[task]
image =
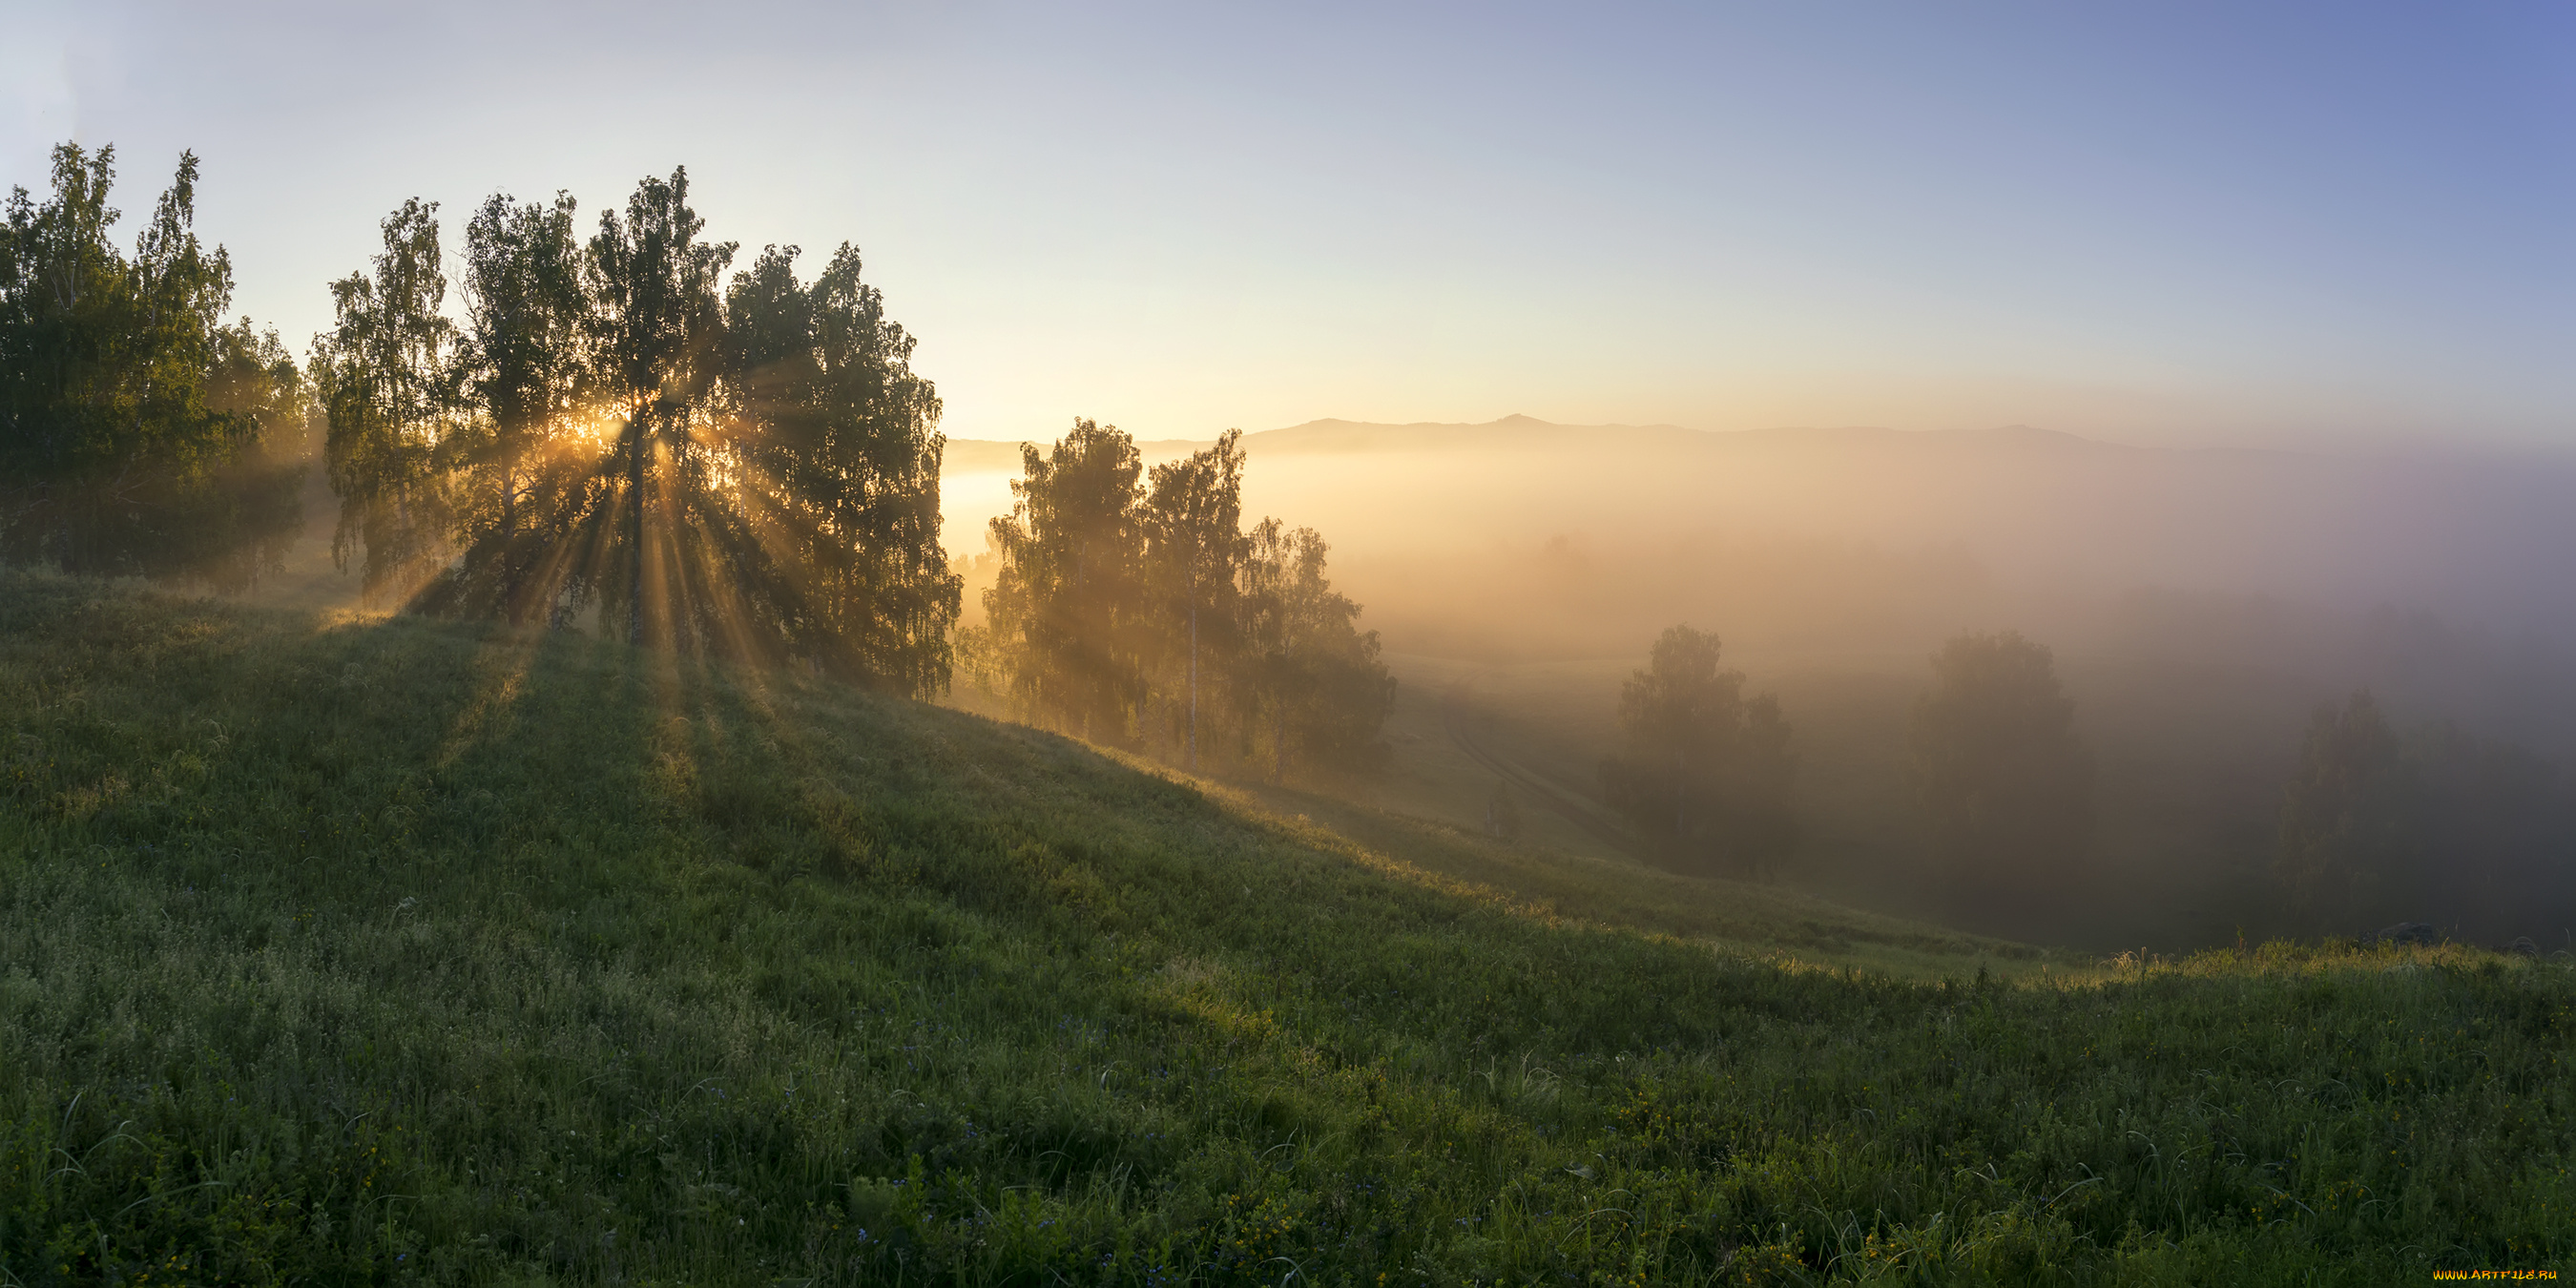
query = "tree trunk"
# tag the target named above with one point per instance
(511, 610)
(635, 528)
(1680, 786)
(1194, 687)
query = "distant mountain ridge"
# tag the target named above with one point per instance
(2472, 536)
(1528, 433)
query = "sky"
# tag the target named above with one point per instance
(2170, 223)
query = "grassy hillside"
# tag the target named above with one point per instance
(360, 951)
(2191, 759)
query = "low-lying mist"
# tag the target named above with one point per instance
(2202, 606)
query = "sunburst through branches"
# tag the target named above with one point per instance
(615, 433)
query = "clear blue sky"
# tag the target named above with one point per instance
(2158, 222)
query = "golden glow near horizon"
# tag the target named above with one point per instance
(1180, 222)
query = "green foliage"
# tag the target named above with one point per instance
(748, 471)
(1705, 771)
(657, 323)
(1998, 771)
(1117, 605)
(850, 452)
(1065, 631)
(517, 488)
(386, 378)
(1194, 553)
(407, 951)
(140, 434)
(1310, 675)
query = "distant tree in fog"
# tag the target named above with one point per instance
(2471, 834)
(2500, 821)
(1703, 770)
(2348, 817)
(2003, 781)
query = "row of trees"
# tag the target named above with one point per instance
(542, 427)
(746, 467)
(1132, 606)
(2002, 781)
(2437, 826)
(141, 433)
(609, 426)
(2375, 826)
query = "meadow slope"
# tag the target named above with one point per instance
(351, 950)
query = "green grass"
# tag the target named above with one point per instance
(361, 950)
(2191, 758)
(1780, 925)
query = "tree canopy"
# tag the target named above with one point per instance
(140, 433)
(2004, 782)
(744, 467)
(1132, 607)
(1306, 676)
(1066, 609)
(626, 430)
(1703, 771)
